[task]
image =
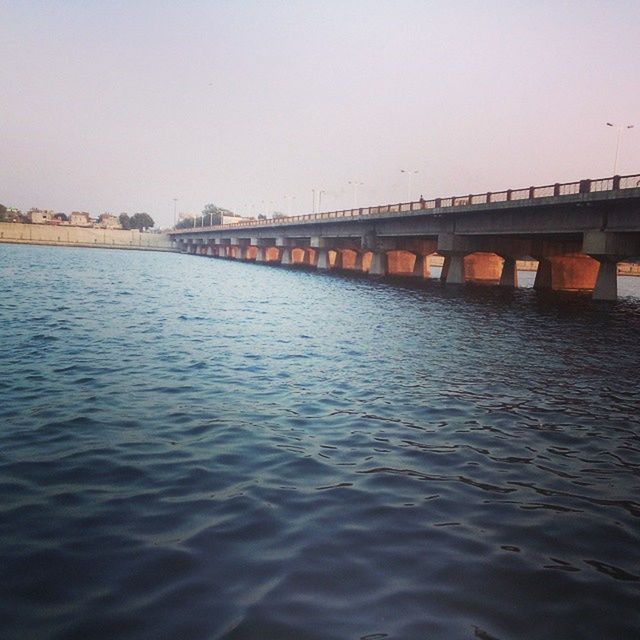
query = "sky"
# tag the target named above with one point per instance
(124, 106)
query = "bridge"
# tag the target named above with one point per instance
(577, 232)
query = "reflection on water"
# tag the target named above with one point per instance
(203, 449)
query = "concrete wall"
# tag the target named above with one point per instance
(82, 237)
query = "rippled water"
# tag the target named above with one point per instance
(193, 448)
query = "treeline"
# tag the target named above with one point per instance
(211, 215)
(138, 221)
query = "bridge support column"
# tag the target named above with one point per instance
(323, 259)
(421, 266)
(379, 264)
(285, 256)
(543, 275)
(338, 262)
(261, 254)
(453, 269)
(454, 248)
(509, 276)
(358, 266)
(606, 281)
(608, 249)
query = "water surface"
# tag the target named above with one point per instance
(195, 448)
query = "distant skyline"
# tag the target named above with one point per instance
(124, 106)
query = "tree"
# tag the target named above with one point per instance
(211, 215)
(62, 217)
(261, 216)
(141, 221)
(277, 215)
(3, 212)
(125, 220)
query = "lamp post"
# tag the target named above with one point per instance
(620, 128)
(355, 184)
(320, 194)
(175, 205)
(410, 175)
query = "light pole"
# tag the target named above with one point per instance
(355, 184)
(175, 205)
(320, 193)
(410, 175)
(620, 128)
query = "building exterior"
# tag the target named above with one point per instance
(108, 221)
(231, 219)
(80, 219)
(37, 216)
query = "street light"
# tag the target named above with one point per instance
(620, 128)
(175, 204)
(355, 184)
(320, 194)
(410, 175)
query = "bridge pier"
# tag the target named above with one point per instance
(608, 249)
(322, 262)
(285, 256)
(542, 280)
(509, 275)
(606, 287)
(379, 263)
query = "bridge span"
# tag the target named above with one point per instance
(577, 231)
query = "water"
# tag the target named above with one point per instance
(193, 448)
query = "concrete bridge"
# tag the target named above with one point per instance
(577, 232)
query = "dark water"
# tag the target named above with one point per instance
(193, 448)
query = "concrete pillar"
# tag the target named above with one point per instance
(285, 256)
(260, 255)
(421, 266)
(338, 263)
(509, 276)
(358, 264)
(543, 275)
(323, 258)
(609, 248)
(453, 269)
(244, 252)
(607, 281)
(378, 264)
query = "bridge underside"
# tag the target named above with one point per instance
(567, 262)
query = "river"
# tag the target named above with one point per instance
(196, 448)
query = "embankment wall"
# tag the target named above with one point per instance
(67, 235)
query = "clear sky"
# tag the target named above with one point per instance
(122, 106)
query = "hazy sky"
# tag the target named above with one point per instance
(122, 106)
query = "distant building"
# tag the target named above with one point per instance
(80, 219)
(108, 221)
(232, 219)
(37, 216)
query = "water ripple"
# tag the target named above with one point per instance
(197, 448)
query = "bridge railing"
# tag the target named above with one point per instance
(614, 183)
